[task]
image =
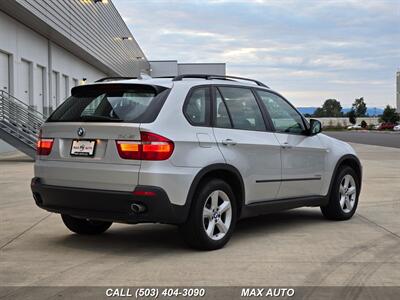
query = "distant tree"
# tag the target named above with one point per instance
(319, 112)
(352, 116)
(360, 107)
(330, 108)
(364, 124)
(390, 115)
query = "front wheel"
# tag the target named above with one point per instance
(212, 217)
(85, 226)
(343, 200)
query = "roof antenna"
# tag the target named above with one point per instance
(144, 76)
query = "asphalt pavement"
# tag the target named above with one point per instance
(385, 139)
(291, 248)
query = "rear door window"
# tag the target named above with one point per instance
(242, 108)
(222, 119)
(112, 103)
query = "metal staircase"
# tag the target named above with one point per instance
(19, 124)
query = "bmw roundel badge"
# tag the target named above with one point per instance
(81, 131)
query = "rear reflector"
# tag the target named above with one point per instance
(144, 193)
(43, 146)
(151, 147)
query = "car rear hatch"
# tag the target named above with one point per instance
(87, 134)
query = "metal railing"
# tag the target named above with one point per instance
(19, 120)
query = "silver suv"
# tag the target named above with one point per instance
(198, 151)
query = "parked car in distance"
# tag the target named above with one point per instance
(355, 126)
(386, 126)
(376, 126)
(196, 151)
(396, 128)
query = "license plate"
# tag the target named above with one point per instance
(83, 148)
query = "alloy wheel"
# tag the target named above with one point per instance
(217, 215)
(347, 193)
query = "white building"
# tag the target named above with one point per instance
(49, 46)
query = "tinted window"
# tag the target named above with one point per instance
(111, 103)
(222, 119)
(243, 108)
(284, 117)
(196, 106)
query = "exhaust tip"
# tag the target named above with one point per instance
(138, 208)
(37, 199)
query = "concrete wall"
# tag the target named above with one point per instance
(203, 68)
(160, 68)
(344, 122)
(164, 68)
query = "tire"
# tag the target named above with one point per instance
(84, 226)
(343, 200)
(204, 215)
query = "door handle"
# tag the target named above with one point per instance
(286, 146)
(228, 142)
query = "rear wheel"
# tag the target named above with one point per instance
(85, 226)
(212, 217)
(344, 195)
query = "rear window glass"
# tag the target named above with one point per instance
(111, 103)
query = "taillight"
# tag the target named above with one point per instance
(155, 147)
(128, 149)
(43, 146)
(151, 147)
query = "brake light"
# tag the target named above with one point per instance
(151, 147)
(43, 146)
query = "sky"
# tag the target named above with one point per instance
(308, 50)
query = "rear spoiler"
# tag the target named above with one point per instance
(117, 86)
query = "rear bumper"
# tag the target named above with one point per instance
(115, 206)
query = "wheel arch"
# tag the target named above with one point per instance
(347, 160)
(222, 171)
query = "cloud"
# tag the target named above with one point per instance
(346, 48)
(334, 61)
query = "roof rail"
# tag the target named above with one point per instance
(114, 78)
(223, 77)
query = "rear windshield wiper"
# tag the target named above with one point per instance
(99, 118)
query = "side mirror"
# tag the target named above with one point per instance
(315, 127)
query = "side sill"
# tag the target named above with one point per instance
(272, 206)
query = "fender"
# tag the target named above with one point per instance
(206, 170)
(351, 157)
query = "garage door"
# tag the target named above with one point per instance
(25, 88)
(40, 77)
(64, 87)
(4, 72)
(55, 90)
